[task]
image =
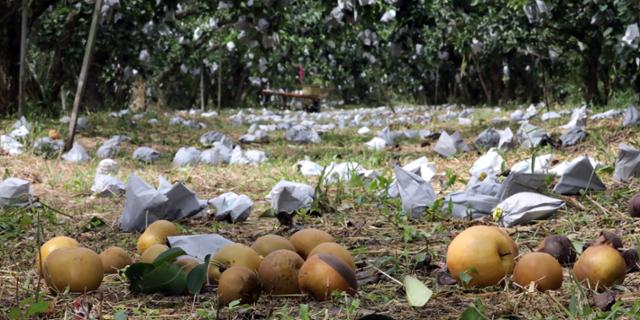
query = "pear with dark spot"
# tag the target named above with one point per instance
(560, 247)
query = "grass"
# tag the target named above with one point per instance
(375, 229)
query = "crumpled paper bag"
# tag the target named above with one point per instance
(309, 168)
(573, 136)
(145, 204)
(580, 175)
(11, 145)
(631, 117)
(627, 163)
(518, 182)
(488, 138)
(219, 154)
(253, 157)
(531, 136)
(77, 154)
(105, 183)
(490, 163)
(186, 156)
(416, 194)
(540, 165)
(46, 147)
(301, 134)
(525, 207)
(209, 138)
(15, 192)
(288, 197)
(110, 148)
(449, 145)
(376, 143)
(199, 245)
(232, 207)
(145, 154)
(421, 166)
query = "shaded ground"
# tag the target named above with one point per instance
(378, 235)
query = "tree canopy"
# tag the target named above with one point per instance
(366, 51)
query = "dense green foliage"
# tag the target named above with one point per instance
(366, 50)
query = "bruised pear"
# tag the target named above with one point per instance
(279, 272)
(78, 269)
(323, 274)
(149, 255)
(609, 238)
(114, 259)
(238, 283)
(600, 266)
(538, 267)
(270, 243)
(560, 247)
(337, 250)
(306, 239)
(52, 245)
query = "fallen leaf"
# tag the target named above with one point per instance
(417, 292)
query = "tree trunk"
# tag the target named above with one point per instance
(9, 71)
(219, 85)
(590, 74)
(23, 56)
(56, 73)
(487, 93)
(203, 91)
(86, 63)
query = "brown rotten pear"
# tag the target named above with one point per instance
(482, 252)
(538, 267)
(79, 269)
(337, 250)
(306, 239)
(114, 259)
(238, 283)
(52, 245)
(560, 247)
(600, 266)
(279, 272)
(270, 243)
(323, 274)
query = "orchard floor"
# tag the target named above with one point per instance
(380, 238)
